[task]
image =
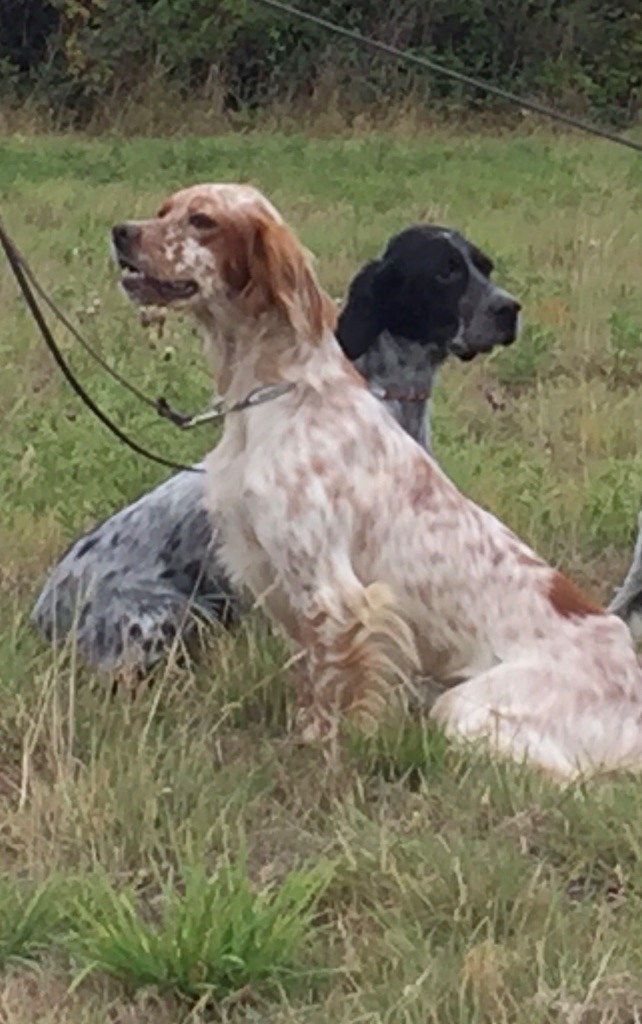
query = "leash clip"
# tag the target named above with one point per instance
(218, 411)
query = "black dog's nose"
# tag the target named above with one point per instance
(124, 234)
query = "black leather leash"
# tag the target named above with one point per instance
(29, 286)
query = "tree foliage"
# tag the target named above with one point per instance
(585, 55)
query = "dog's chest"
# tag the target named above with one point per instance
(226, 487)
(225, 466)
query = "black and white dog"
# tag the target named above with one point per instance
(146, 575)
(627, 602)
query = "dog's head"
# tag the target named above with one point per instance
(225, 253)
(431, 286)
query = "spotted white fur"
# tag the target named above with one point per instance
(534, 669)
(146, 575)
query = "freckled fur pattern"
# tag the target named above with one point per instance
(151, 571)
(535, 669)
(136, 582)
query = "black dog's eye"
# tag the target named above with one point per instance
(451, 271)
(483, 263)
(202, 222)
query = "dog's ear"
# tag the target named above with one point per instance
(269, 269)
(359, 322)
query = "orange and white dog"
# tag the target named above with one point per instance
(355, 540)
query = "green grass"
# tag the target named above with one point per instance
(462, 891)
(30, 918)
(215, 938)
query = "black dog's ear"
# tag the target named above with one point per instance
(359, 322)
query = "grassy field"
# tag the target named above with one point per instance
(179, 857)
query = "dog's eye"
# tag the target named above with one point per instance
(484, 265)
(202, 222)
(451, 271)
(481, 261)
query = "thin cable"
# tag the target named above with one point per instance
(160, 405)
(24, 284)
(457, 76)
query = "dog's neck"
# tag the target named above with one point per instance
(265, 351)
(400, 372)
(403, 372)
(246, 356)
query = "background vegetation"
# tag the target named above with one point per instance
(92, 61)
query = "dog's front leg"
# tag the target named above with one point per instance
(355, 643)
(358, 649)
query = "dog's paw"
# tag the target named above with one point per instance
(315, 726)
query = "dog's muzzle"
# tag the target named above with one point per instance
(140, 286)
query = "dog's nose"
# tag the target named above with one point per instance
(124, 234)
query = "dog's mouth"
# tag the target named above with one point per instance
(503, 331)
(466, 348)
(466, 352)
(152, 291)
